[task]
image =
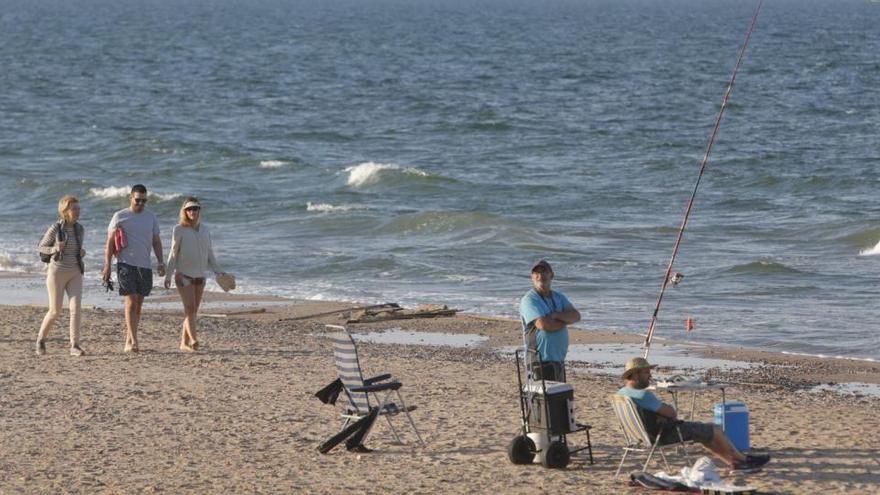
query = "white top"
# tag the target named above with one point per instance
(192, 253)
(139, 230)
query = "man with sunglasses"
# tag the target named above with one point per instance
(134, 273)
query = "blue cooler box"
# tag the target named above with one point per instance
(733, 417)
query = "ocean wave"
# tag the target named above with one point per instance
(762, 267)
(870, 251)
(828, 356)
(444, 222)
(20, 264)
(371, 172)
(489, 125)
(327, 207)
(110, 192)
(861, 238)
(113, 192)
(273, 163)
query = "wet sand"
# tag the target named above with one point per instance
(240, 416)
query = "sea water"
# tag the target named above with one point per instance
(428, 151)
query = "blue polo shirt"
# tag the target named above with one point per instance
(645, 399)
(552, 346)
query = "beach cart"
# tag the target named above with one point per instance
(548, 418)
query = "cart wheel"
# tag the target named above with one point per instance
(521, 450)
(557, 455)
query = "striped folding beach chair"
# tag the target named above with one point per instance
(636, 435)
(360, 395)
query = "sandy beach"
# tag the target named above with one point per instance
(240, 416)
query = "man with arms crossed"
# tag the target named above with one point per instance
(659, 419)
(133, 271)
(546, 314)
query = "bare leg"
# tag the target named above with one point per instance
(133, 304)
(187, 297)
(139, 304)
(129, 321)
(721, 447)
(199, 291)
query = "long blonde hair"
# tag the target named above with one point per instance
(184, 220)
(64, 205)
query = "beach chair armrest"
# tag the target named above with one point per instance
(377, 378)
(379, 387)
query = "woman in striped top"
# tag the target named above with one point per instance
(64, 241)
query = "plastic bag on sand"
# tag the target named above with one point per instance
(703, 472)
(704, 475)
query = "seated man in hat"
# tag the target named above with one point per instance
(660, 418)
(546, 315)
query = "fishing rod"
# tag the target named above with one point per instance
(703, 164)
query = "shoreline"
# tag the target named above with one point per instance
(167, 300)
(812, 370)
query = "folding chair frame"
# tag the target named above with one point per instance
(380, 390)
(637, 437)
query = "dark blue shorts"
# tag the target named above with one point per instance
(134, 280)
(690, 431)
(553, 371)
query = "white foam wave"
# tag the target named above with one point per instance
(369, 172)
(166, 196)
(327, 207)
(18, 264)
(272, 163)
(871, 251)
(112, 192)
(826, 356)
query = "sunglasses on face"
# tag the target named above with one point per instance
(193, 208)
(140, 201)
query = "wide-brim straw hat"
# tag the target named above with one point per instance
(636, 364)
(226, 281)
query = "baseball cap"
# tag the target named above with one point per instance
(542, 264)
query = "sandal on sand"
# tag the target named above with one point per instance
(41, 347)
(186, 348)
(76, 351)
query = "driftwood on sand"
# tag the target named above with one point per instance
(394, 312)
(337, 311)
(234, 313)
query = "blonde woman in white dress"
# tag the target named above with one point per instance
(191, 255)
